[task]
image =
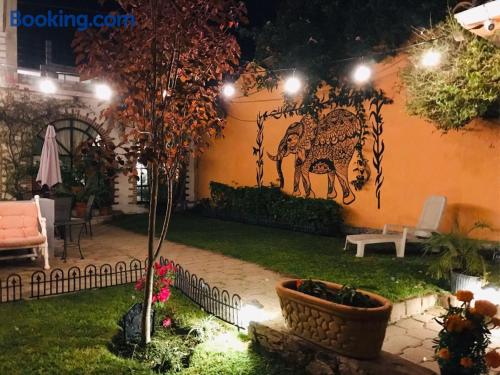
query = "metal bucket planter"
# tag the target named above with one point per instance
(459, 281)
(352, 331)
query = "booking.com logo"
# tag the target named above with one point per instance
(59, 19)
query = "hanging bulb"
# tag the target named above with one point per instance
(362, 74)
(292, 85)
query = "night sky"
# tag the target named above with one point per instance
(31, 41)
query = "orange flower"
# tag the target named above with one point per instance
(485, 308)
(464, 295)
(466, 362)
(492, 359)
(298, 283)
(455, 323)
(444, 353)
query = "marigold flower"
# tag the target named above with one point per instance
(485, 308)
(455, 323)
(444, 353)
(492, 359)
(466, 362)
(464, 295)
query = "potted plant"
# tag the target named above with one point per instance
(81, 199)
(462, 342)
(460, 259)
(348, 321)
(101, 165)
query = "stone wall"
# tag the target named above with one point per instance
(309, 358)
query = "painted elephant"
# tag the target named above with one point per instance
(324, 147)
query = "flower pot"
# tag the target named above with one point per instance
(105, 211)
(80, 208)
(352, 331)
(449, 370)
(460, 281)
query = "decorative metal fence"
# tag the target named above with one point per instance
(217, 302)
(11, 289)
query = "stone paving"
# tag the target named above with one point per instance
(411, 338)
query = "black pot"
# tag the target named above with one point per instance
(460, 281)
(445, 370)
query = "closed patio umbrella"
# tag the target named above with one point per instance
(49, 172)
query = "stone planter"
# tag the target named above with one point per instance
(351, 331)
(460, 281)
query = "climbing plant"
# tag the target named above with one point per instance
(464, 86)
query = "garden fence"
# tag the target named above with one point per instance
(213, 300)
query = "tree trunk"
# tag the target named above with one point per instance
(148, 290)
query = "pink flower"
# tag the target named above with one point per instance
(163, 295)
(139, 284)
(167, 322)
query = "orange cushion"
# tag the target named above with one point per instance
(32, 241)
(19, 224)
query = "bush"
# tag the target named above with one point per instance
(463, 87)
(270, 206)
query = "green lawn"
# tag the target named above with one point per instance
(72, 335)
(300, 254)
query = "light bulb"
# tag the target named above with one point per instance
(228, 90)
(47, 86)
(431, 58)
(362, 74)
(292, 85)
(103, 91)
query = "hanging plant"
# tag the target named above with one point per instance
(463, 86)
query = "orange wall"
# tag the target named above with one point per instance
(418, 161)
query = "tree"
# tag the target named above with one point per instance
(167, 72)
(22, 117)
(310, 35)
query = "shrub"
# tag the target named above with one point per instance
(270, 206)
(464, 86)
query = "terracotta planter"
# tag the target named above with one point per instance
(80, 208)
(105, 211)
(351, 331)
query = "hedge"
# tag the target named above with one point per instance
(271, 207)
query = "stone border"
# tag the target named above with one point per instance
(415, 306)
(272, 336)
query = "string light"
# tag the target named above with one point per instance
(362, 74)
(103, 91)
(228, 90)
(292, 85)
(47, 86)
(431, 58)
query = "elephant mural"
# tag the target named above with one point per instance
(324, 147)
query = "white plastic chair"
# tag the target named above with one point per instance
(429, 221)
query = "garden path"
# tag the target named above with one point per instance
(411, 338)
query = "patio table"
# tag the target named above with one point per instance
(67, 236)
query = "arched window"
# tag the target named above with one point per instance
(70, 134)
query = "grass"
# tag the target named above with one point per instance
(72, 335)
(302, 255)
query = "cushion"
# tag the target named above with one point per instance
(19, 224)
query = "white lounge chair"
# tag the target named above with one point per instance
(429, 221)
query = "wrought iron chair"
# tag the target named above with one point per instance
(88, 216)
(64, 223)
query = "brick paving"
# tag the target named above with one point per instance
(411, 338)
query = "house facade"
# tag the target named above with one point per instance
(80, 124)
